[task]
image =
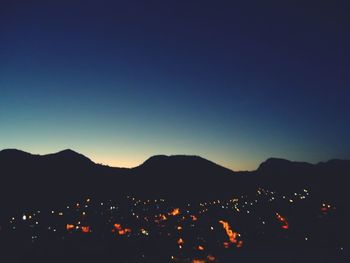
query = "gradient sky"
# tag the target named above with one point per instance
(120, 81)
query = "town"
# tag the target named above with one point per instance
(166, 231)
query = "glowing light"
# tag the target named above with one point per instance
(85, 229)
(226, 244)
(175, 212)
(211, 258)
(120, 230)
(231, 234)
(194, 218)
(144, 232)
(283, 220)
(69, 227)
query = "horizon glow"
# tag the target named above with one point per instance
(121, 82)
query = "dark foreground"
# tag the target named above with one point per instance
(263, 225)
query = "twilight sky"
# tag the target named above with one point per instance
(120, 81)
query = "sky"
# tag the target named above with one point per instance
(120, 81)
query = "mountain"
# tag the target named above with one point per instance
(180, 168)
(68, 155)
(180, 176)
(283, 167)
(274, 166)
(27, 178)
(181, 165)
(327, 179)
(68, 174)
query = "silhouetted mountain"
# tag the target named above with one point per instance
(13, 153)
(328, 179)
(66, 174)
(181, 166)
(69, 156)
(27, 178)
(181, 176)
(283, 169)
(274, 166)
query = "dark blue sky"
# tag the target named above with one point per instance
(122, 80)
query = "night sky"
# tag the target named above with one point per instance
(119, 81)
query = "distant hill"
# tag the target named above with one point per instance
(275, 166)
(182, 166)
(329, 179)
(180, 176)
(27, 178)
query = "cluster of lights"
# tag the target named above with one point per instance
(155, 216)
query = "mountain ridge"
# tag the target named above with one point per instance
(68, 174)
(71, 153)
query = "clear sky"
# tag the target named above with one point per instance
(120, 81)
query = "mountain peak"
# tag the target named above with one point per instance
(177, 160)
(274, 161)
(273, 166)
(172, 158)
(183, 166)
(14, 153)
(68, 154)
